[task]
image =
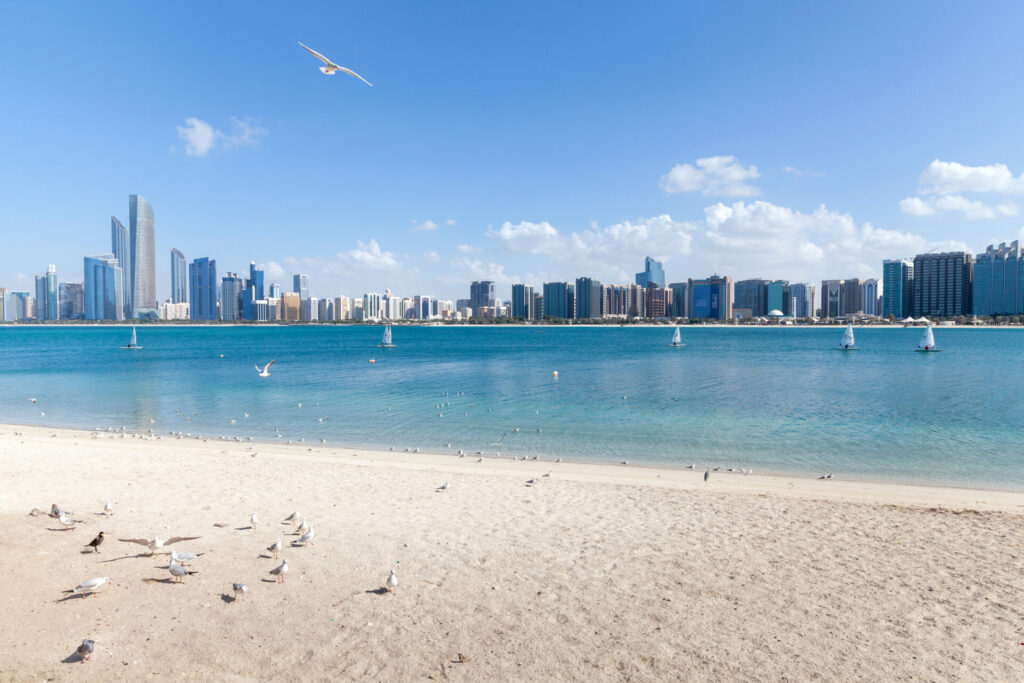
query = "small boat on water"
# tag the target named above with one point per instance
(677, 340)
(847, 344)
(385, 343)
(927, 342)
(133, 343)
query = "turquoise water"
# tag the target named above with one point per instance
(772, 399)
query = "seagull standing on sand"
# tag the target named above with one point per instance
(239, 590)
(95, 543)
(265, 370)
(392, 582)
(108, 509)
(305, 538)
(280, 570)
(89, 586)
(253, 520)
(66, 522)
(155, 544)
(85, 650)
(330, 67)
(303, 528)
(177, 571)
(443, 487)
(275, 547)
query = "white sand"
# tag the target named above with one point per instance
(598, 573)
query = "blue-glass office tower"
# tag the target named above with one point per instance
(777, 297)
(652, 273)
(897, 288)
(556, 300)
(869, 296)
(52, 294)
(752, 294)
(103, 294)
(230, 297)
(711, 298)
(40, 300)
(680, 299)
(202, 276)
(300, 285)
(999, 281)
(141, 234)
(942, 284)
(120, 246)
(253, 292)
(801, 296)
(588, 298)
(522, 301)
(179, 278)
(256, 281)
(481, 294)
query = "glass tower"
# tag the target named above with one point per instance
(120, 246)
(103, 293)
(556, 300)
(300, 285)
(179, 278)
(143, 257)
(202, 276)
(652, 273)
(522, 301)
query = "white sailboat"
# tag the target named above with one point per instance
(133, 343)
(847, 344)
(385, 343)
(677, 339)
(927, 342)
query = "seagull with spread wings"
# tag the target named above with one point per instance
(154, 544)
(265, 370)
(330, 67)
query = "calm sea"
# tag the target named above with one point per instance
(772, 399)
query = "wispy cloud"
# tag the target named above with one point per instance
(802, 172)
(200, 137)
(425, 225)
(712, 176)
(468, 249)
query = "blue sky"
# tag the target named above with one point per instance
(538, 140)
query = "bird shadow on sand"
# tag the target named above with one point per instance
(264, 556)
(269, 580)
(72, 597)
(73, 658)
(52, 529)
(86, 552)
(151, 580)
(379, 591)
(243, 528)
(128, 557)
(228, 599)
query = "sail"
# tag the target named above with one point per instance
(847, 342)
(387, 336)
(927, 340)
(133, 342)
(677, 338)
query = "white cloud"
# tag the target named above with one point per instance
(971, 209)
(275, 272)
(450, 222)
(467, 249)
(719, 175)
(793, 170)
(372, 256)
(425, 225)
(950, 177)
(528, 238)
(915, 206)
(200, 137)
(464, 270)
(431, 256)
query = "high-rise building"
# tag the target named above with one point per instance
(121, 247)
(179, 278)
(588, 298)
(17, 306)
(143, 257)
(40, 298)
(481, 294)
(325, 310)
(522, 301)
(711, 298)
(71, 296)
(103, 281)
(252, 294)
(869, 297)
(851, 297)
(300, 285)
(231, 297)
(556, 300)
(371, 307)
(897, 288)
(256, 280)
(309, 310)
(801, 295)
(637, 297)
(752, 294)
(680, 299)
(291, 304)
(831, 298)
(275, 291)
(202, 276)
(659, 301)
(652, 273)
(538, 306)
(342, 308)
(999, 281)
(776, 295)
(942, 284)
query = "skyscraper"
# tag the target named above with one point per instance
(371, 306)
(752, 294)
(680, 299)
(831, 298)
(202, 276)
(652, 273)
(40, 298)
(711, 298)
(999, 281)
(942, 284)
(802, 300)
(869, 297)
(143, 257)
(179, 281)
(275, 291)
(897, 288)
(103, 282)
(47, 295)
(776, 295)
(481, 294)
(300, 285)
(556, 300)
(121, 247)
(72, 300)
(851, 297)
(522, 301)
(291, 303)
(230, 297)
(588, 298)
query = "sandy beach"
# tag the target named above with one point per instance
(598, 572)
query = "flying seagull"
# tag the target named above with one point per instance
(330, 67)
(265, 370)
(89, 586)
(155, 544)
(95, 543)
(85, 650)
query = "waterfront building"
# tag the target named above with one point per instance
(371, 307)
(897, 288)
(3, 294)
(141, 233)
(658, 301)
(342, 308)
(120, 246)
(752, 294)
(202, 276)
(802, 300)
(522, 301)
(300, 285)
(538, 306)
(998, 287)
(588, 298)
(777, 294)
(17, 306)
(357, 309)
(103, 282)
(179, 278)
(71, 296)
(231, 297)
(325, 310)
(256, 280)
(290, 303)
(309, 310)
(274, 291)
(942, 284)
(556, 300)
(742, 313)
(637, 301)
(173, 311)
(39, 300)
(869, 297)
(426, 308)
(831, 298)
(851, 297)
(710, 298)
(481, 293)
(652, 273)
(680, 299)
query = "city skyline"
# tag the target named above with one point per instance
(653, 151)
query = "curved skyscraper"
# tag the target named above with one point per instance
(143, 257)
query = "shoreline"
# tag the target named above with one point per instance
(853, 490)
(443, 325)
